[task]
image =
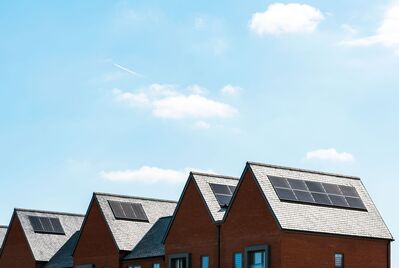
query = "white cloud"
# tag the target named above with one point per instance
(165, 101)
(202, 124)
(387, 34)
(330, 154)
(230, 90)
(286, 18)
(196, 89)
(147, 174)
(128, 70)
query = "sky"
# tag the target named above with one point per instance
(128, 96)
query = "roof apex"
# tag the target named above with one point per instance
(135, 197)
(48, 212)
(213, 175)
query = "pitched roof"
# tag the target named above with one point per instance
(128, 233)
(3, 231)
(203, 180)
(151, 245)
(63, 258)
(311, 218)
(44, 246)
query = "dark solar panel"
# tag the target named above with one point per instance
(223, 193)
(317, 193)
(128, 211)
(47, 225)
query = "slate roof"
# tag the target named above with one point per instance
(44, 246)
(63, 258)
(3, 231)
(128, 233)
(311, 218)
(151, 245)
(203, 180)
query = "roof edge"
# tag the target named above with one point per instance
(214, 175)
(4, 226)
(49, 212)
(135, 197)
(304, 170)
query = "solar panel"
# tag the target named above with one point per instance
(128, 211)
(317, 193)
(46, 225)
(223, 193)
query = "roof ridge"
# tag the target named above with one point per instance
(214, 175)
(136, 197)
(3, 226)
(49, 212)
(304, 170)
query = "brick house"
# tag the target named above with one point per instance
(114, 225)
(33, 237)
(278, 217)
(3, 231)
(193, 238)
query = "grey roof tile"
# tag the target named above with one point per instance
(3, 231)
(63, 258)
(151, 245)
(303, 217)
(203, 180)
(128, 233)
(44, 246)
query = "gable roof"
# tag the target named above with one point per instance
(319, 219)
(44, 246)
(203, 181)
(3, 231)
(127, 234)
(151, 245)
(63, 258)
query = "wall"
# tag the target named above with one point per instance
(145, 263)
(96, 244)
(193, 230)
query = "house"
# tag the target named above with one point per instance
(287, 217)
(150, 251)
(114, 225)
(34, 236)
(63, 258)
(3, 231)
(193, 238)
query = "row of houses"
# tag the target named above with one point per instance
(271, 216)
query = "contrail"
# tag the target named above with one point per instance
(128, 70)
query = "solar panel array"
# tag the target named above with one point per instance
(223, 193)
(128, 211)
(46, 225)
(317, 193)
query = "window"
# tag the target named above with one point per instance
(339, 260)
(134, 266)
(181, 260)
(205, 262)
(85, 266)
(257, 256)
(156, 265)
(238, 260)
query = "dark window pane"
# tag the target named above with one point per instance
(36, 224)
(117, 209)
(297, 184)
(55, 222)
(128, 210)
(48, 228)
(315, 186)
(321, 199)
(304, 196)
(349, 191)
(257, 259)
(355, 202)
(279, 182)
(232, 189)
(338, 200)
(286, 194)
(339, 260)
(223, 200)
(332, 189)
(139, 211)
(220, 189)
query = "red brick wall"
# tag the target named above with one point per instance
(193, 230)
(145, 263)
(96, 244)
(249, 223)
(16, 252)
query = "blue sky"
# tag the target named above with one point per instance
(126, 97)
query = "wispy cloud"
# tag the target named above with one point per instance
(166, 101)
(130, 71)
(387, 34)
(202, 124)
(150, 175)
(230, 90)
(330, 154)
(286, 18)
